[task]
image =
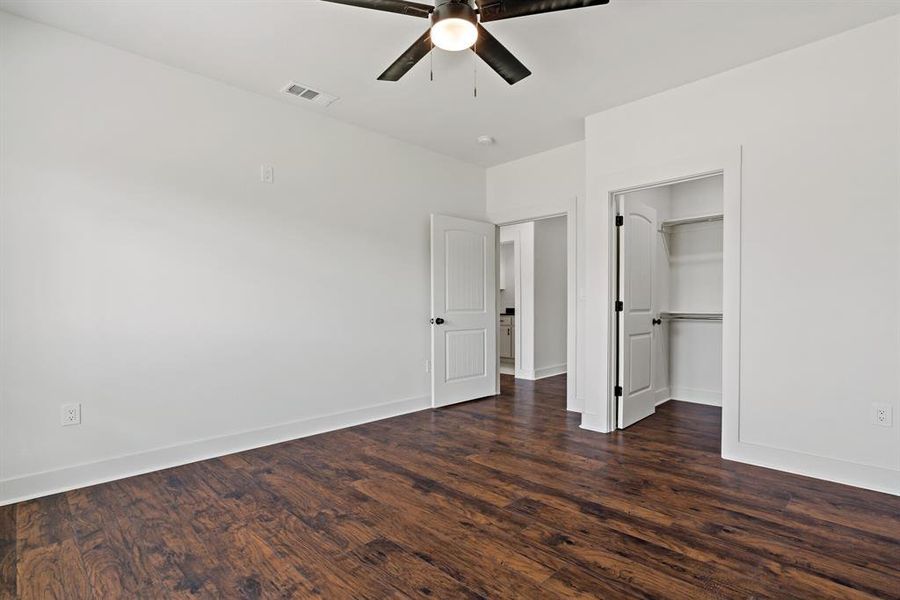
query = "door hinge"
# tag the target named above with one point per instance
(620, 220)
(618, 391)
(620, 306)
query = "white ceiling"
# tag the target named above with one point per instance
(583, 61)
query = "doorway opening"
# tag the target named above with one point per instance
(668, 298)
(532, 319)
(506, 324)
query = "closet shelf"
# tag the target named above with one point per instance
(690, 316)
(666, 226)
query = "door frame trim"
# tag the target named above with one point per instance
(600, 336)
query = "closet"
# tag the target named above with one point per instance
(670, 281)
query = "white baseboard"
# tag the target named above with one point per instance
(879, 479)
(709, 397)
(550, 371)
(35, 485)
(662, 396)
(596, 423)
(542, 372)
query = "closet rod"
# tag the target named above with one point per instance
(668, 316)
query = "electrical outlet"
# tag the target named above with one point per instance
(427, 366)
(881, 415)
(267, 174)
(71, 414)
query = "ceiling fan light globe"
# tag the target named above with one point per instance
(454, 34)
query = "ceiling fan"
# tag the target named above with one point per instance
(456, 25)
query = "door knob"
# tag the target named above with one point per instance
(438, 321)
(656, 321)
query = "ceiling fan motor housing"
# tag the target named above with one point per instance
(454, 9)
(455, 26)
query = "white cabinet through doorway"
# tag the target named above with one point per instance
(506, 336)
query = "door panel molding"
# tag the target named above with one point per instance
(635, 346)
(464, 354)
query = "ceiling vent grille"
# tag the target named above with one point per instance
(298, 90)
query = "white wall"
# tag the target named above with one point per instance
(549, 297)
(695, 361)
(820, 242)
(544, 184)
(190, 309)
(695, 267)
(536, 186)
(696, 198)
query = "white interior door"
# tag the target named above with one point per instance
(463, 310)
(636, 356)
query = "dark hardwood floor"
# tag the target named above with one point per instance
(498, 498)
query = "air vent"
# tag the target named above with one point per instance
(307, 93)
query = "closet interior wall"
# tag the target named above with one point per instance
(695, 271)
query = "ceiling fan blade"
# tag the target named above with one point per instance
(420, 49)
(494, 10)
(499, 58)
(403, 7)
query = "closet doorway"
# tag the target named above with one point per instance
(668, 296)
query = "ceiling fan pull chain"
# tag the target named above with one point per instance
(475, 67)
(431, 59)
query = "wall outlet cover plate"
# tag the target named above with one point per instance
(882, 415)
(70, 414)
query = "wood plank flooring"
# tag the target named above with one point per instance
(498, 498)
